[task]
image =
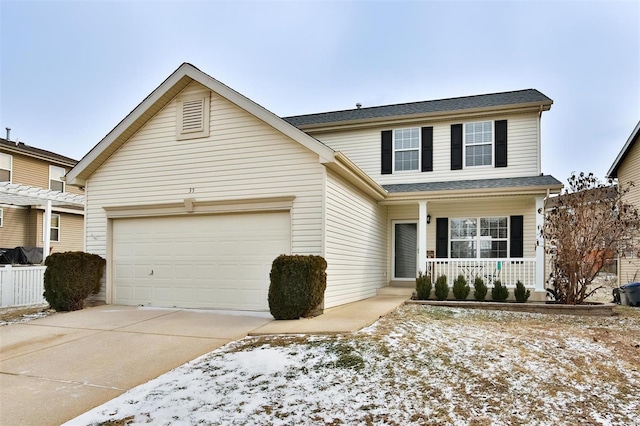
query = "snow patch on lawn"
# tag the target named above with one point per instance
(417, 365)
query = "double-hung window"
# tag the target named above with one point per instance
(5, 167)
(478, 144)
(55, 227)
(55, 178)
(479, 237)
(406, 149)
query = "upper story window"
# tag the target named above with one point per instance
(6, 161)
(55, 178)
(406, 149)
(479, 237)
(478, 144)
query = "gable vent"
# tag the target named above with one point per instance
(193, 116)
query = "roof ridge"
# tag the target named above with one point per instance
(415, 102)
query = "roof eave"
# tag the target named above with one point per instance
(49, 159)
(347, 169)
(635, 135)
(438, 115)
(446, 194)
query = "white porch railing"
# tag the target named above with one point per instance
(508, 271)
(21, 285)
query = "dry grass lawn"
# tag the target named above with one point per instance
(418, 365)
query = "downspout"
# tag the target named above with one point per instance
(539, 159)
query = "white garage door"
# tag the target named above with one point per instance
(217, 261)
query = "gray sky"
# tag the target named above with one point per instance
(70, 71)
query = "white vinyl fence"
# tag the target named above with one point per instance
(21, 285)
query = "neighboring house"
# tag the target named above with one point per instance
(28, 177)
(626, 168)
(198, 189)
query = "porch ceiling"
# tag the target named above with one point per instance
(25, 195)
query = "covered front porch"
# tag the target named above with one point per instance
(486, 231)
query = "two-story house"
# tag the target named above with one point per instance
(626, 169)
(28, 177)
(198, 189)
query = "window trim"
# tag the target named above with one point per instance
(492, 143)
(418, 149)
(59, 228)
(478, 238)
(10, 170)
(1, 217)
(64, 172)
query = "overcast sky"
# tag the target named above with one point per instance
(70, 71)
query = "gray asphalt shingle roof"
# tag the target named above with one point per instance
(517, 182)
(25, 149)
(526, 96)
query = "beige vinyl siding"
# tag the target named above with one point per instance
(629, 171)
(71, 231)
(470, 207)
(243, 158)
(35, 172)
(363, 147)
(15, 227)
(355, 243)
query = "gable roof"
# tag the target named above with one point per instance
(520, 98)
(163, 94)
(633, 138)
(31, 151)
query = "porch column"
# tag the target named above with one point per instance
(46, 231)
(422, 236)
(540, 278)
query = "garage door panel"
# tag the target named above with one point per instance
(218, 261)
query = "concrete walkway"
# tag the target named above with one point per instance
(56, 368)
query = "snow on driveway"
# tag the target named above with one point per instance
(418, 365)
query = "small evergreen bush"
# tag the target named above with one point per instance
(423, 286)
(479, 289)
(297, 286)
(70, 278)
(521, 293)
(442, 288)
(499, 293)
(460, 288)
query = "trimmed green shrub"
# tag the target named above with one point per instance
(460, 288)
(521, 293)
(70, 278)
(297, 286)
(423, 286)
(499, 293)
(479, 289)
(442, 288)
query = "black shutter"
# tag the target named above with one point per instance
(427, 149)
(442, 237)
(456, 146)
(516, 242)
(501, 143)
(387, 152)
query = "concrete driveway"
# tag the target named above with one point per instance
(56, 368)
